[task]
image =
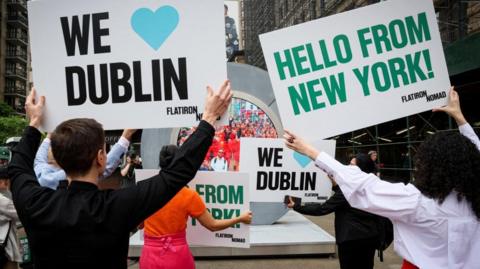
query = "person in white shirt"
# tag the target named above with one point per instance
(435, 219)
(219, 163)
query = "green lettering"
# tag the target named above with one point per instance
(364, 41)
(418, 32)
(380, 36)
(380, 70)
(362, 77)
(311, 56)
(216, 213)
(222, 194)
(326, 59)
(299, 60)
(335, 88)
(314, 94)
(398, 34)
(235, 195)
(282, 64)
(397, 68)
(299, 98)
(210, 194)
(345, 55)
(413, 66)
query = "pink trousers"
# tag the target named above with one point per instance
(166, 252)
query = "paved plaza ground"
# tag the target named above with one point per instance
(391, 260)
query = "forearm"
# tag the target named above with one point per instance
(468, 132)
(221, 224)
(312, 209)
(369, 193)
(41, 158)
(23, 157)
(158, 190)
(125, 169)
(114, 156)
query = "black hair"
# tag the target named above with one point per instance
(226, 7)
(4, 173)
(132, 155)
(167, 153)
(365, 163)
(448, 162)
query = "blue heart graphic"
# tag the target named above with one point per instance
(301, 159)
(155, 27)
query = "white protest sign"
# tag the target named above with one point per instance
(276, 171)
(226, 195)
(127, 63)
(359, 68)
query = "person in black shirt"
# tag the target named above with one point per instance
(356, 231)
(80, 226)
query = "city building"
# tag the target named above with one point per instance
(396, 141)
(14, 54)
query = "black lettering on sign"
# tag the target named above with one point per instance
(267, 155)
(76, 34)
(82, 87)
(117, 81)
(180, 79)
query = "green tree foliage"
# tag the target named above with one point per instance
(6, 110)
(11, 126)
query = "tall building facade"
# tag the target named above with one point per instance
(14, 54)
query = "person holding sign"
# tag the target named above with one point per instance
(355, 230)
(49, 174)
(81, 226)
(436, 219)
(165, 240)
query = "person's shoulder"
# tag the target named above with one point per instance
(187, 192)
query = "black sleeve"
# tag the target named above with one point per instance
(137, 203)
(335, 202)
(24, 184)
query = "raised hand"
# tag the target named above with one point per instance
(291, 203)
(217, 102)
(453, 107)
(299, 145)
(246, 217)
(128, 133)
(34, 108)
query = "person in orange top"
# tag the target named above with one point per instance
(165, 245)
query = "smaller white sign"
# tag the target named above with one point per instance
(276, 171)
(226, 196)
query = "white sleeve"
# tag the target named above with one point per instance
(7, 209)
(114, 156)
(468, 132)
(367, 192)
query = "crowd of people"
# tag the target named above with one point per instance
(71, 223)
(246, 120)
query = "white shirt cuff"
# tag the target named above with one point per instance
(466, 128)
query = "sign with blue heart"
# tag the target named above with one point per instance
(127, 63)
(276, 171)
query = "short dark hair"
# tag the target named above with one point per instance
(448, 162)
(365, 163)
(75, 144)
(4, 173)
